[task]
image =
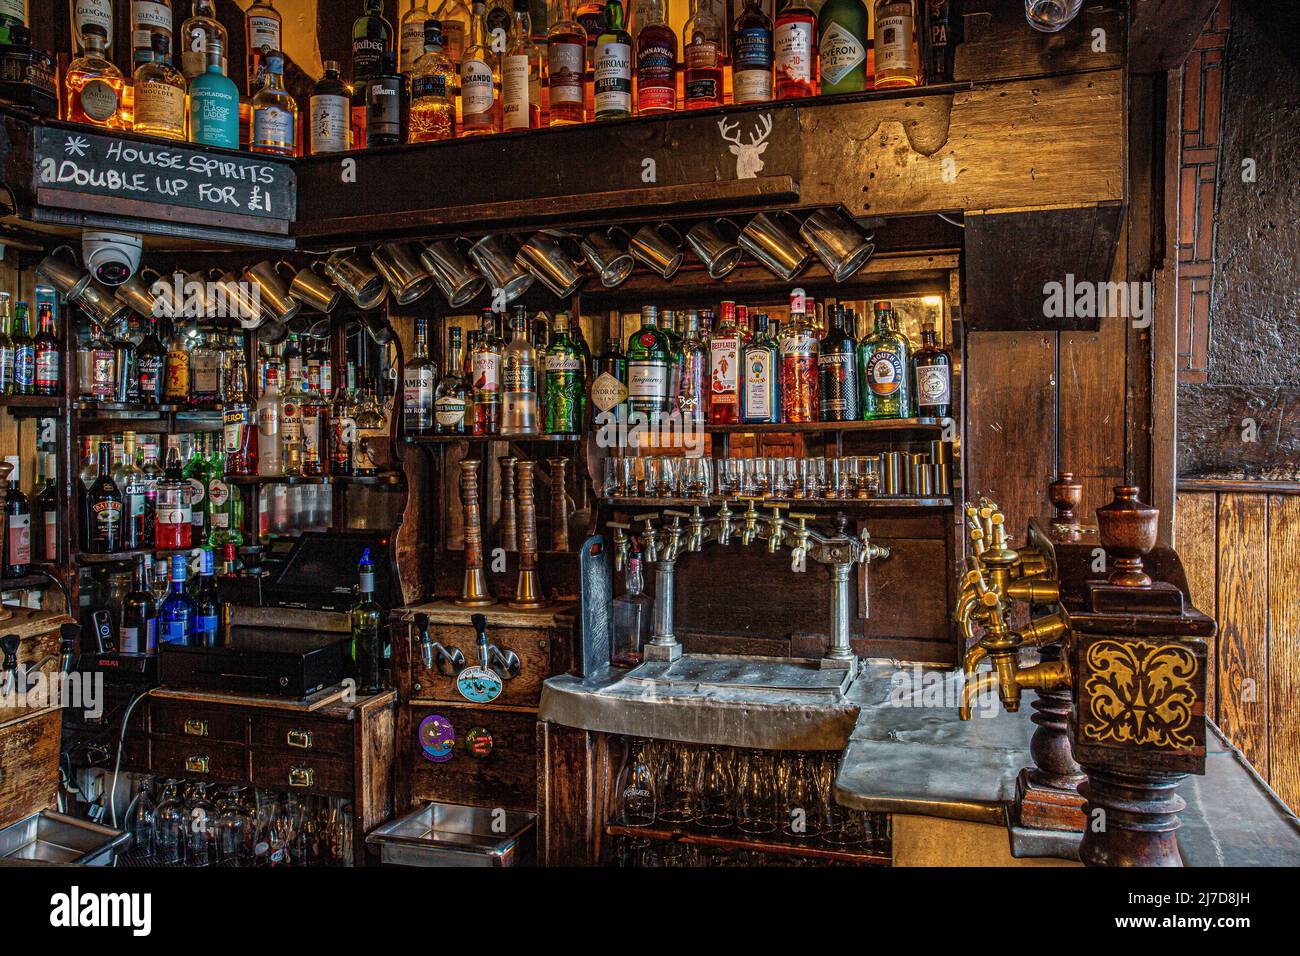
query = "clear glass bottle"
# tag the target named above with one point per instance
(196, 34)
(566, 65)
(451, 398)
(269, 462)
(275, 114)
(521, 75)
(485, 380)
(95, 85)
(142, 821)
(612, 66)
(130, 480)
(418, 382)
(205, 369)
(656, 62)
(693, 377)
(410, 35)
(315, 431)
(795, 45)
(630, 615)
(761, 379)
(725, 347)
(480, 79)
(752, 55)
(636, 788)
(519, 380)
(433, 90)
(329, 113)
(291, 403)
(455, 18)
(171, 827)
(160, 94)
(149, 19)
(263, 32)
(897, 59)
(702, 56)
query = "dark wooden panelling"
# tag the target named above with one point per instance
(570, 807)
(1243, 624)
(1284, 646)
(506, 778)
(996, 43)
(1092, 398)
(29, 765)
(1239, 431)
(1196, 540)
(1162, 32)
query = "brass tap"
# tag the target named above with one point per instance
(1047, 629)
(620, 544)
(649, 540)
(775, 529)
(868, 551)
(751, 522)
(724, 524)
(800, 551)
(696, 541)
(673, 534)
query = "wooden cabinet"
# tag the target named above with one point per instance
(506, 775)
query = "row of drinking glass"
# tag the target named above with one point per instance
(242, 826)
(856, 476)
(633, 852)
(757, 792)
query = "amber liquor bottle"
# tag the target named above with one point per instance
(932, 376)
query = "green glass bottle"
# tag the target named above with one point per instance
(649, 366)
(885, 369)
(843, 28)
(566, 383)
(367, 622)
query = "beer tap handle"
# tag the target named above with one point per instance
(775, 529)
(620, 543)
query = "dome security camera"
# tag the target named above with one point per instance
(111, 257)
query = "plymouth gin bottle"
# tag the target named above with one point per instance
(649, 364)
(566, 387)
(751, 55)
(613, 66)
(885, 364)
(418, 380)
(761, 364)
(450, 399)
(932, 376)
(837, 367)
(367, 620)
(844, 28)
(800, 397)
(724, 368)
(519, 380)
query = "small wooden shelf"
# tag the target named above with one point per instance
(448, 439)
(116, 557)
(92, 409)
(383, 478)
(884, 425)
(771, 843)
(28, 582)
(32, 401)
(739, 505)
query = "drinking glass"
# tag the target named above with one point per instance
(637, 789)
(170, 825)
(202, 815)
(627, 477)
(801, 805)
(816, 486)
(670, 476)
(232, 829)
(698, 479)
(717, 790)
(1049, 16)
(142, 824)
(610, 488)
(729, 476)
(868, 476)
(677, 783)
(651, 474)
(756, 793)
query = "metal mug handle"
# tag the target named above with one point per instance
(659, 227)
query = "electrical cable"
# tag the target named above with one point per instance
(117, 764)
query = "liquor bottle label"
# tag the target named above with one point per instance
(839, 387)
(593, 23)
(453, 40)
(894, 44)
(234, 423)
(562, 363)
(840, 52)
(751, 74)
(265, 31)
(723, 361)
(884, 372)
(311, 435)
(384, 106)
(47, 368)
(98, 100)
(476, 93)
(194, 51)
(417, 392)
(198, 493)
(564, 66)
(134, 495)
(329, 123)
(487, 372)
(96, 12)
(759, 374)
(607, 392)
(933, 385)
(205, 372)
(794, 50)
(431, 87)
(148, 18)
(613, 83)
(178, 374)
(174, 632)
(647, 385)
(107, 519)
(514, 92)
(450, 411)
(218, 493)
(411, 44)
(159, 104)
(20, 539)
(25, 365)
(518, 377)
(701, 56)
(366, 54)
(656, 64)
(51, 525)
(291, 421)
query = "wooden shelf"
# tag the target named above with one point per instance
(794, 504)
(804, 428)
(116, 557)
(87, 408)
(771, 843)
(449, 439)
(32, 401)
(383, 478)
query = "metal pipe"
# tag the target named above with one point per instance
(840, 649)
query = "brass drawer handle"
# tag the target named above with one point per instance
(196, 763)
(302, 777)
(196, 728)
(299, 738)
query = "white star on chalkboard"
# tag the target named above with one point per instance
(76, 146)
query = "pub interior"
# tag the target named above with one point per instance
(648, 433)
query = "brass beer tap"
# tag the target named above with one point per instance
(649, 540)
(799, 552)
(775, 529)
(751, 522)
(620, 544)
(673, 534)
(698, 528)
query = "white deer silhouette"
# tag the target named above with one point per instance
(748, 155)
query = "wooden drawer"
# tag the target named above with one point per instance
(306, 734)
(180, 718)
(304, 772)
(200, 759)
(533, 645)
(507, 777)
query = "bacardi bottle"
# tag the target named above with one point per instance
(799, 355)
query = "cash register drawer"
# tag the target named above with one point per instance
(200, 759)
(305, 772)
(178, 718)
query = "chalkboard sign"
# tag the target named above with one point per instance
(135, 174)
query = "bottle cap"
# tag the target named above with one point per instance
(331, 66)
(179, 567)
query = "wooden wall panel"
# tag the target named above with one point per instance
(1196, 538)
(1284, 646)
(1243, 624)
(1092, 425)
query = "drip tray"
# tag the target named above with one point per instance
(728, 672)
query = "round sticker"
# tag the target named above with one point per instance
(437, 738)
(479, 684)
(99, 100)
(478, 742)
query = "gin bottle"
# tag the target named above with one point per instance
(761, 371)
(885, 369)
(649, 364)
(565, 382)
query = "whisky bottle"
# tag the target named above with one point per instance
(485, 382)
(455, 17)
(566, 388)
(328, 106)
(800, 397)
(84, 13)
(275, 114)
(418, 379)
(613, 66)
(519, 380)
(521, 75)
(480, 80)
(649, 365)
(371, 36)
(410, 35)
(837, 368)
(450, 401)
(794, 42)
(196, 35)
(885, 369)
(761, 364)
(433, 90)
(149, 19)
(752, 55)
(214, 103)
(263, 32)
(566, 64)
(724, 368)
(656, 62)
(702, 56)
(932, 376)
(844, 31)
(386, 104)
(896, 54)
(95, 85)
(160, 94)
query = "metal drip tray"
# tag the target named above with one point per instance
(49, 837)
(728, 672)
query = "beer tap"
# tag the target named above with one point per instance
(775, 529)
(799, 553)
(673, 534)
(698, 529)
(751, 522)
(620, 544)
(432, 653)
(505, 663)
(649, 540)
(724, 524)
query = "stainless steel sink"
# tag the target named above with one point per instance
(49, 837)
(449, 834)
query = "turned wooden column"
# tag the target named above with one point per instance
(474, 589)
(528, 589)
(559, 504)
(507, 528)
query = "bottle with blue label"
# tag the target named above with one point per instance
(752, 55)
(214, 104)
(207, 619)
(177, 615)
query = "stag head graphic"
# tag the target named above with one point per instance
(749, 160)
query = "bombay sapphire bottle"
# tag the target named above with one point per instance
(176, 616)
(214, 104)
